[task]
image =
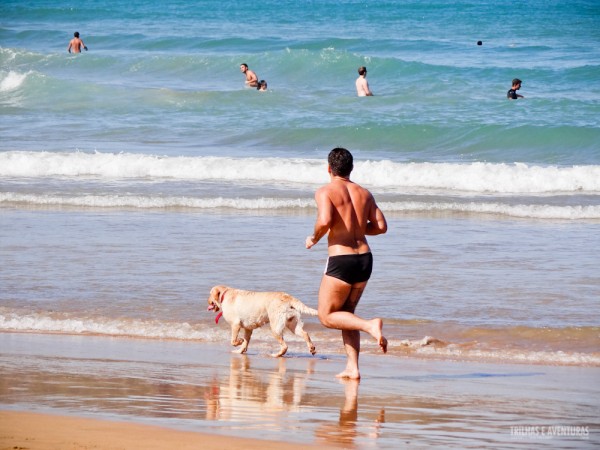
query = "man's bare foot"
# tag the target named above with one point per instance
(350, 374)
(376, 332)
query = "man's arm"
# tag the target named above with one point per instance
(324, 217)
(377, 223)
(84, 46)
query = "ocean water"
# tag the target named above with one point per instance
(137, 175)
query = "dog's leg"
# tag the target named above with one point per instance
(235, 330)
(245, 342)
(297, 327)
(283, 345)
(277, 326)
(309, 343)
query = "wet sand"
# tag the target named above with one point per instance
(190, 392)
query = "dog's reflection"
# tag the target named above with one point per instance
(255, 393)
(347, 429)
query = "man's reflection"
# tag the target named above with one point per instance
(347, 429)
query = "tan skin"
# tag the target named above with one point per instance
(347, 212)
(76, 45)
(362, 87)
(251, 78)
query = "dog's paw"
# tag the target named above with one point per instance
(312, 350)
(280, 352)
(237, 342)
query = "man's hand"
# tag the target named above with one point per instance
(310, 242)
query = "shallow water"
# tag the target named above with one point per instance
(487, 288)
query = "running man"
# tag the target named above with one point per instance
(347, 212)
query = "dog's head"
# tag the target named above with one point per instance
(215, 301)
(215, 298)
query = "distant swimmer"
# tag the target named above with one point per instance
(362, 85)
(76, 44)
(262, 85)
(251, 78)
(512, 92)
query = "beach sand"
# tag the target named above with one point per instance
(60, 391)
(32, 431)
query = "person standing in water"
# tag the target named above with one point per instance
(362, 85)
(76, 44)
(512, 92)
(349, 214)
(251, 78)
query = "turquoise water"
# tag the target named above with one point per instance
(166, 80)
(136, 175)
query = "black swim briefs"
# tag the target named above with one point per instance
(352, 269)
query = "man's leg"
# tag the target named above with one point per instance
(337, 302)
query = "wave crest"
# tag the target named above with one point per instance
(386, 175)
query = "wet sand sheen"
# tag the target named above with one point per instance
(297, 399)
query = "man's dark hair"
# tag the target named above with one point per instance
(516, 81)
(341, 162)
(362, 70)
(76, 34)
(244, 64)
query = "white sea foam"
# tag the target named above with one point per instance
(481, 177)
(510, 355)
(523, 211)
(384, 175)
(114, 327)
(265, 203)
(143, 202)
(11, 80)
(154, 329)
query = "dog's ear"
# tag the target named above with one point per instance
(215, 293)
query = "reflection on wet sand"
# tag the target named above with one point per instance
(255, 395)
(346, 431)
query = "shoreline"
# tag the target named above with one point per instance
(428, 347)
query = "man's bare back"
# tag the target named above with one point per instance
(362, 85)
(351, 209)
(76, 44)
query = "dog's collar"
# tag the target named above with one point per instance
(221, 300)
(222, 297)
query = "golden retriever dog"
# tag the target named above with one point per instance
(249, 310)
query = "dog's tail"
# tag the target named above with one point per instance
(297, 304)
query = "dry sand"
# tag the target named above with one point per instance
(33, 431)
